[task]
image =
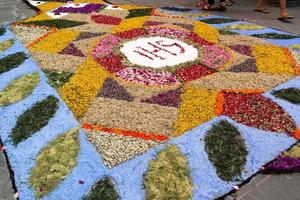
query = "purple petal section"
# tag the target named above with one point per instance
(89, 8)
(71, 49)
(87, 35)
(248, 66)
(283, 164)
(112, 89)
(169, 98)
(242, 49)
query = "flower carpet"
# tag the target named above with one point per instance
(102, 101)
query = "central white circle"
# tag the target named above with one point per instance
(158, 52)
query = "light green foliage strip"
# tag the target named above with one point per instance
(244, 27)
(5, 45)
(294, 152)
(55, 162)
(19, 89)
(168, 177)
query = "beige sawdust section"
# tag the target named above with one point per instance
(57, 62)
(240, 39)
(132, 116)
(240, 81)
(116, 149)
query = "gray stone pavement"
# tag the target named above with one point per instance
(6, 191)
(261, 187)
(12, 10)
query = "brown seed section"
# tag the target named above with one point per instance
(93, 28)
(240, 81)
(132, 116)
(240, 39)
(116, 149)
(57, 62)
(141, 92)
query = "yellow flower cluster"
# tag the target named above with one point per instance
(88, 1)
(55, 42)
(80, 91)
(206, 31)
(45, 7)
(130, 23)
(197, 107)
(272, 59)
(130, 7)
(40, 17)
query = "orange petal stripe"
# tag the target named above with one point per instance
(297, 134)
(125, 133)
(292, 60)
(254, 91)
(219, 104)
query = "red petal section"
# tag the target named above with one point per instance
(193, 72)
(257, 111)
(111, 63)
(131, 33)
(105, 19)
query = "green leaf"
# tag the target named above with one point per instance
(55, 162)
(177, 9)
(225, 32)
(2, 31)
(218, 20)
(290, 94)
(57, 79)
(139, 12)
(19, 89)
(34, 119)
(168, 177)
(275, 36)
(103, 189)
(6, 44)
(226, 150)
(12, 61)
(58, 23)
(296, 47)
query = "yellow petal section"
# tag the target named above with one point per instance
(55, 42)
(272, 59)
(131, 23)
(80, 91)
(197, 107)
(49, 6)
(206, 31)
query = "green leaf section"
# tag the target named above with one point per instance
(57, 79)
(177, 9)
(19, 89)
(218, 20)
(103, 189)
(139, 12)
(275, 36)
(34, 119)
(168, 177)
(2, 31)
(55, 162)
(12, 61)
(296, 47)
(226, 150)
(6, 44)
(58, 23)
(226, 32)
(290, 94)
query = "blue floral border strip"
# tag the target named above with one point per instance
(128, 177)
